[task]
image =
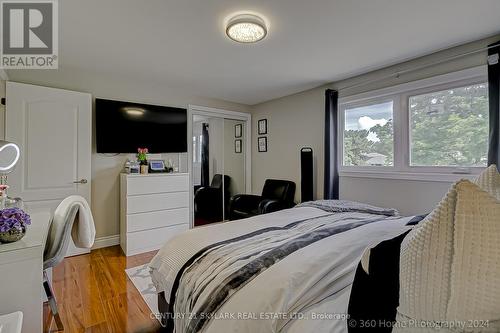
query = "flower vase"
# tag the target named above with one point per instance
(13, 224)
(144, 167)
(13, 235)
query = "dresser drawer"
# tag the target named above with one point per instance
(149, 240)
(157, 184)
(162, 201)
(157, 219)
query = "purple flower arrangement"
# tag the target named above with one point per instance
(13, 219)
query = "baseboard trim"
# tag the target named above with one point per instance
(106, 241)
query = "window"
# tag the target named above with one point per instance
(418, 130)
(368, 135)
(450, 127)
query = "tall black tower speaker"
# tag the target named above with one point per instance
(306, 174)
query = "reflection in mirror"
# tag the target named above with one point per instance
(208, 180)
(218, 166)
(234, 156)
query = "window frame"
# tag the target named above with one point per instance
(400, 95)
(357, 104)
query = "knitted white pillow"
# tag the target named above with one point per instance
(475, 269)
(489, 181)
(449, 265)
(425, 264)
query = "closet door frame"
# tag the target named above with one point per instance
(247, 136)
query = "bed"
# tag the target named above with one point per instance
(288, 271)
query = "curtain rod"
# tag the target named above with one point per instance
(427, 65)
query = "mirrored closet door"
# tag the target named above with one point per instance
(218, 165)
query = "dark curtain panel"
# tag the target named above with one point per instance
(205, 160)
(331, 187)
(494, 97)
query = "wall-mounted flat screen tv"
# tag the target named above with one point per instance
(122, 127)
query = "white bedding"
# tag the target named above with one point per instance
(313, 281)
(177, 251)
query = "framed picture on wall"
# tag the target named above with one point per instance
(238, 131)
(262, 144)
(237, 146)
(262, 126)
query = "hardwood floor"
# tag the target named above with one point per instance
(95, 295)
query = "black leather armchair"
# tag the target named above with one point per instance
(276, 195)
(208, 201)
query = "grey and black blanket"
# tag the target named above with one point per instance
(212, 276)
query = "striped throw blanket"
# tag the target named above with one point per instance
(212, 276)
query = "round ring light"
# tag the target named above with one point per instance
(9, 155)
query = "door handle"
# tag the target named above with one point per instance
(81, 181)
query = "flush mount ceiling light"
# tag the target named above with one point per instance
(246, 28)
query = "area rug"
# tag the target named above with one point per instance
(142, 281)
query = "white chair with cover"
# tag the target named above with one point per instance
(72, 218)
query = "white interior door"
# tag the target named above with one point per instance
(53, 130)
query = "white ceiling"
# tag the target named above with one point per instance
(310, 42)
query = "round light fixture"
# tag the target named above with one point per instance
(246, 28)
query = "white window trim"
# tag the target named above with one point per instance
(400, 95)
(357, 104)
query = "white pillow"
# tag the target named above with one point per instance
(475, 269)
(489, 181)
(450, 264)
(425, 263)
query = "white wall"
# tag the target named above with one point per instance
(408, 196)
(106, 169)
(293, 122)
(298, 120)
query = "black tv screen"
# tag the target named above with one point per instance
(122, 127)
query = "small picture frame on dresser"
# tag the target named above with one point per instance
(157, 165)
(262, 144)
(262, 127)
(238, 130)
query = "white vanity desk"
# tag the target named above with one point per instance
(21, 273)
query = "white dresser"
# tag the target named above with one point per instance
(21, 277)
(153, 209)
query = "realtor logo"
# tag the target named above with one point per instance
(29, 34)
